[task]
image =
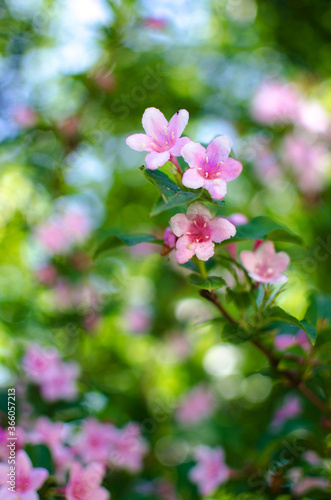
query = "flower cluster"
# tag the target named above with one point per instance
(56, 378)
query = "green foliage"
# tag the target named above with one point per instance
(114, 241)
(210, 283)
(172, 196)
(264, 228)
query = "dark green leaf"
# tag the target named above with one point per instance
(234, 334)
(210, 283)
(113, 241)
(264, 228)
(278, 314)
(171, 194)
(40, 456)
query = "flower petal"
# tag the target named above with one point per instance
(176, 149)
(248, 260)
(194, 154)
(192, 179)
(219, 149)
(230, 169)
(154, 160)
(281, 262)
(205, 250)
(178, 123)
(217, 190)
(179, 224)
(24, 464)
(221, 229)
(154, 122)
(185, 250)
(139, 142)
(196, 209)
(38, 476)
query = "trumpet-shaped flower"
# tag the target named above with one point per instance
(210, 168)
(27, 479)
(264, 265)
(84, 483)
(162, 139)
(211, 470)
(197, 232)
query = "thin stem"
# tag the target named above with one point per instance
(274, 361)
(173, 160)
(212, 297)
(202, 268)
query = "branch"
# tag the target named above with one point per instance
(212, 297)
(274, 361)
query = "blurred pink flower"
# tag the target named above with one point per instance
(211, 470)
(28, 479)
(197, 405)
(47, 274)
(210, 168)
(275, 102)
(290, 409)
(196, 232)
(264, 265)
(84, 483)
(163, 139)
(52, 434)
(286, 340)
(37, 361)
(127, 448)
(236, 220)
(302, 484)
(60, 382)
(25, 117)
(138, 319)
(309, 162)
(95, 441)
(169, 238)
(61, 232)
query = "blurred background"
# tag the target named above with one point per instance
(75, 79)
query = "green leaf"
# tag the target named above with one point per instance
(114, 241)
(234, 334)
(210, 283)
(278, 314)
(40, 456)
(264, 228)
(171, 194)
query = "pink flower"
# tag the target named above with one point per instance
(138, 319)
(309, 161)
(163, 139)
(60, 382)
(52, 434)
(95, 441)
(196, 406)
(290, 409)
(37, 361)
(84, 483)
(169, 238)
(127, 448)
(264, 265)
(236, 220)
(286, 340)
(313, 117)
(275, 102)
(28, 479)
(210, 168)
(196, 232)
(211, 470)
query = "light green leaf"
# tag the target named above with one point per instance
(210, 283)
(114, 241)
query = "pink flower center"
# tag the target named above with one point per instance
(210, 171)
(164, 141)
(80, 489)
(264, 269)
(199, 230)
(22, 482)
